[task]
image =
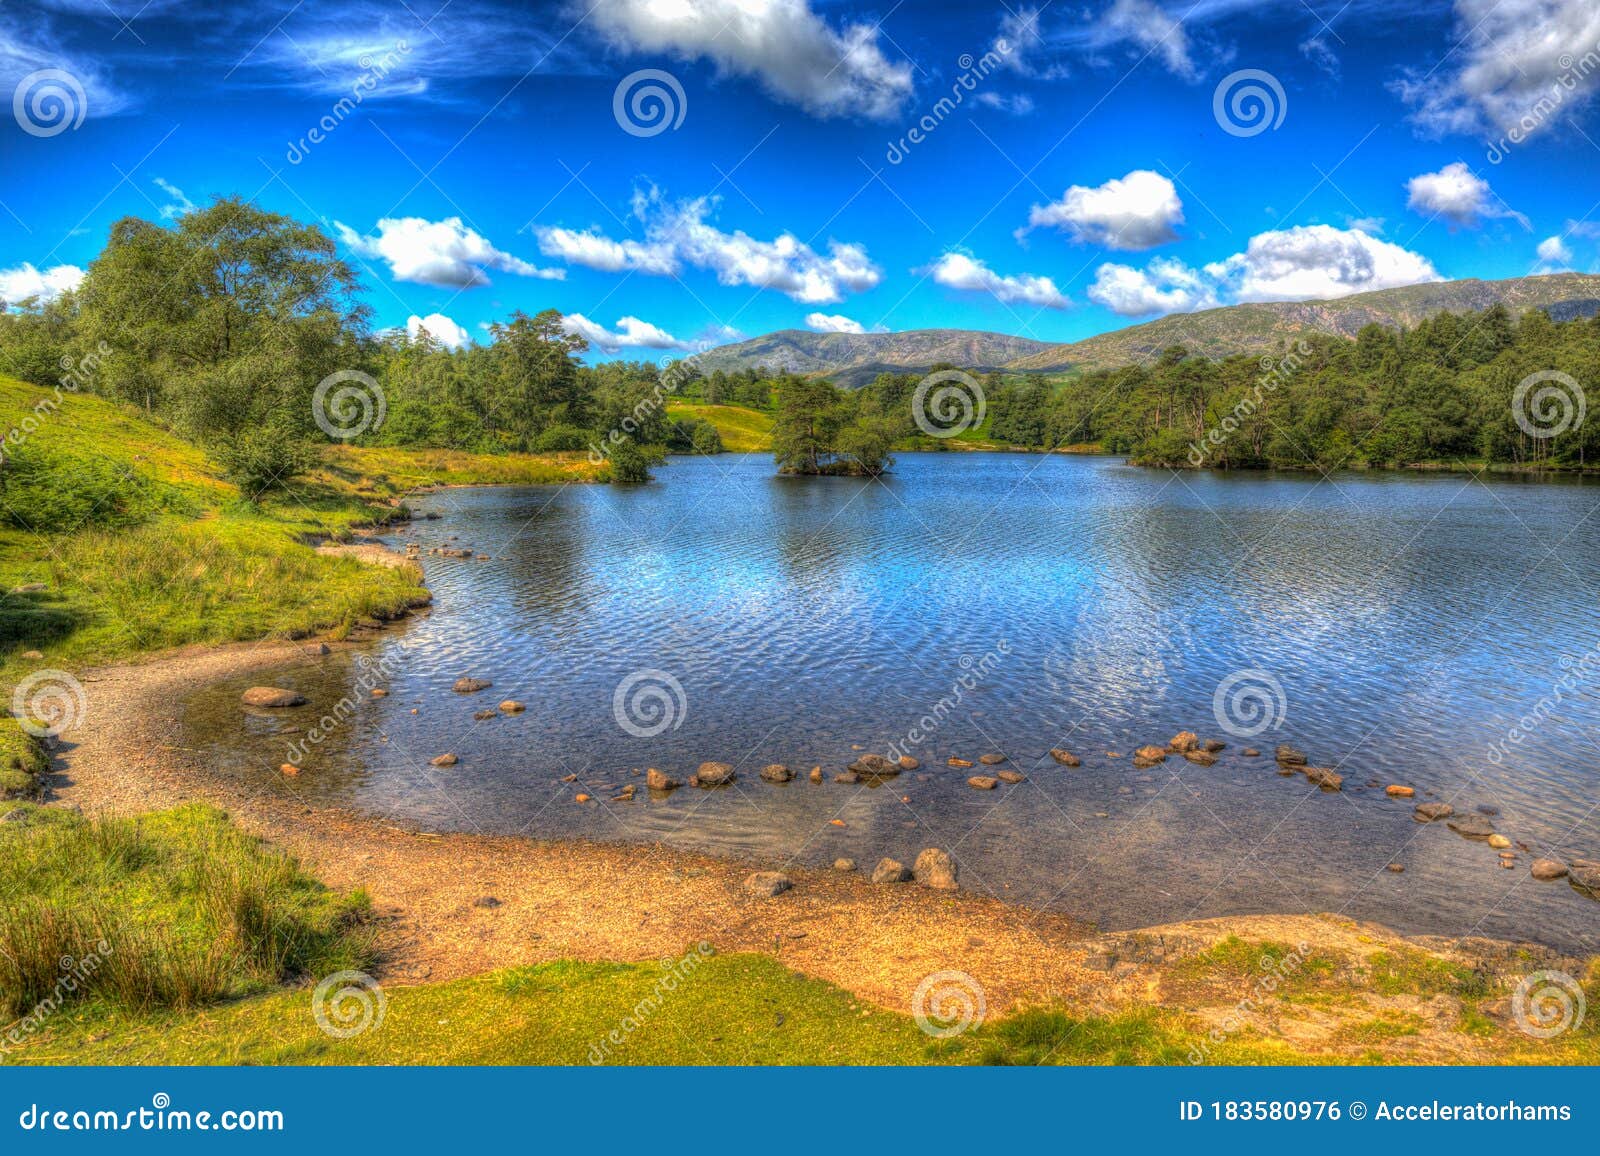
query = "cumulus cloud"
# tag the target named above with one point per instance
(794, 53)
(1138, 211)
(443, 253)
(24, 281)
(441, 328)
(1144, 24)
(1306, 263)
(1554, 255)
(682, 234)
(630, 333)
(1514, 66)
(1458, 195)
(833, 323)
(959, 271)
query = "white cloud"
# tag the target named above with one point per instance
(833, 323)
(1138, 211)
(630, 333)
(444, 253)
(795, 54)
(180, 203)
(1319, 52)
(1458, 195)
(1144, 24)
(1166, 286)
(1019, 43)
(959, 271)
(441, 328)
(24, 281)
(1554, 255)
(31, 46)
(1513, 65)
(1306, 263)
(1019, 104)
(681, 234)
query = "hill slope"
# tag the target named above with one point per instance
(853, 359)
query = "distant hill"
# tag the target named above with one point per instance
(852, 359)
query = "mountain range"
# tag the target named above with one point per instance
(853, 359)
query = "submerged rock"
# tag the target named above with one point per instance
(1152, 754)
(876, 766)
(1473, 826)
(991, 760)
(1011, 776)
(954, 761)
(1184, 741)
(934, 868)
(1325, 777)
(713, 774)
(273, 696)
(471, 685)
(1199, 757)
(1251, 753)
(890, 871)
(1066, 758)
(1585, 876)
(659, 780)
(768, 883)
(1547, 869)
(1212, 746)
(1290, 756)
(907, 763)
(776, 773)
(445, 760)
(983, 782)
(1432, 812)
(512, 706)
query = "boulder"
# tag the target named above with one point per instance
(1499, 842)
(444, 760)
(471, 685)
(876, 766)
(1432, 812)
(1289, 756)
(713, 774)
(767, 883)
(983, 782)
(274, 696)
(1011, 776)
(1548, 869)
(1472, 825)
(934, 868)
(907, 763)
(991, 760)
(1184, 741)
(660, 780)
(776, 773)
(1325, 777)
(890, 871)
(1585, 876)
(1066, 758)
(844, 864)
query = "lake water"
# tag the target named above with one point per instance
(1393, 626)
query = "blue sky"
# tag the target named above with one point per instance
(1094, 172)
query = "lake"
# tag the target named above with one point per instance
(1394, 626)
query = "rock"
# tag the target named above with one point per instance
(1011, 776)
(1065, 758)
(767, 883)
(1212, 746)
(1184, 741)
(1290, 756)
(1547, 869)
(847, 777)
(816, 775)
(271, 696)
(1200, 757)
(1396, 791)
(983, 782)
(1151, 754)
(1432, 812)
(488, 901)
(1499, 842)
(512, 706)
(471, 685)
(1585, 876)
(890, 871)
(289, 769)
(1487, 810)
(1251, 753)
(1397, 868)
(379, 692)
(991, 760)
(660, 780)
(934, 868)
(876, 766)
(953, 761)
(844, 864)
(1473, 826)
(30, 656)
(714, 774)
(445, 760)
(481, 715)
(1325, 777)
(1141, 764)
(776, 773)
(626, 794)
(580, 798)
(907, 763)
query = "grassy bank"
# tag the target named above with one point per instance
(743, 430)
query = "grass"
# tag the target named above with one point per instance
(743, 431)
(22, 761)
(384, 471)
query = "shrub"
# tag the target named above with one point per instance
(629, 463)
(49, 490)
(562, 439)
(262, 458)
